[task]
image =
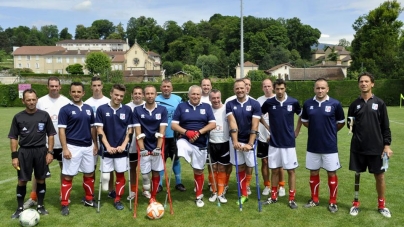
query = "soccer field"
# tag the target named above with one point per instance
(187, 214)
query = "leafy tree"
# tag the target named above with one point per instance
(75, 69)
(64, 34)
(50, 35)
(119, 33)
(103, 28)
(301, 37)
(194, 72)
(208, 64)
(34, 37)
(257, 75)
(190, 28)
(3, 55)
(98, 62)
(81, 32)
(168, 66)
(259, 46)
(172, 31)
(177, 66)
(333, 56)
(345, 43)
(5, 41)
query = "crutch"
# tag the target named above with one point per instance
(128, 163)
(211, 170)
(102, 149)
(238, 182)
(167, 180)
(257, 182)
(137, 180)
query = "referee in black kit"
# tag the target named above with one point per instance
(29, 129)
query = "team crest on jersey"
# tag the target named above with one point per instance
(358, 107)
(88, 112)
(274, 107)
(41, 126)
(375, 106)
(107, 114)
(289, 107)
(158, 116)
(202, 111)
(327, 109)
(122, 116)
(311, 107)
(142, 116)
(248, 108)
(186, 111)
(73, 112)
(235, 108)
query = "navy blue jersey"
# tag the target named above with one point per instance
(170, 104)
(150, 122)
(323, 118)
(244, 113)
(195, 118)
(77, 120)
(115, 123)
(281, 121)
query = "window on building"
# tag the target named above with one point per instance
(60, 71)
(83, 59)
(120, 67)
(48, 59)
(59, 60)
(116, 67)
(19, 65)
(28, 65)
(67, 60)
(74, 60)
(28, 57)
(37, 65)
(37, 57)
(19, 58)
(49, 71)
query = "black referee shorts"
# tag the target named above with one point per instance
(33, 159)
(220, 153)
(58, 153)
(359, 163)
(262, 149)
(170, 148)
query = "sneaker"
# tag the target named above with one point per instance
(152, 200)
(146, 194)
(29, 203)
(243, 199)
(270, 201)
(354, 211)
(292, 204)
(199, 202)
(41, 210)
(17, 213)
(311, 203)
(213, 197)
(131, 196)
(222, 198)
(65, 210)
(180, 187)
(333, 208)
(385, 212)
(226, 188)
(248, 190)
(159, 189)
(112, 194)
(118, 205)
(266, 190)
(90, 203)
(281, 192)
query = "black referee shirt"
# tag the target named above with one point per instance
(371, 130)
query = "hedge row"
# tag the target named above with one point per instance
(344, 91)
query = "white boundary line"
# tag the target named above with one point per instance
(396, 122)
(15, 178)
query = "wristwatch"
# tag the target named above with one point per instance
(51, 152)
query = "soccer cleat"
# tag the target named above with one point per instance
(90, 203)
(292, 204)
(385, 212)
(333, 208)
(118, 205)
(213, 197)
(311, 203)
(17, 213)
(112, 194)
(270, 201)
(146, 194)
(131, 196)
(248, 190)
(222, 198)
(281, 192)
(199, 202)
(266, 190)
(354, 211)
(226, 188)
(180, 187)
(29, 203)
(243, 199)
(41, 210)
(159, 189)
(65, 210)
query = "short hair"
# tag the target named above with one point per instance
(119, 87)
(147, 86)
(53, 78)
(95, 78)
(30, 90)
(214, 91)
(206, 78)
(372, 78)
(279, 82)
(194, 86)
(321, 79)
(239, 80)
(165, 81)
(262, 82)
(76, 84)
(136, 87)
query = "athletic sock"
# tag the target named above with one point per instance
(161, 177)
(267, 183)
(248, 179)
(333, 187)
(221, 180)
(292, 194)
(211, 181)
(177, 171)
(119, 185)
(315, 187)
(381, 203)
(88, 185)
(281, 183)
(40, 191)
(21, 191)
(243, 183)
(199, 183)
(33, 196)
(133, 187)
(274, 193)
(155, 185)
(65, 192)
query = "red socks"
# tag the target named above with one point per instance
(333, 186)
(88, 185)
(199, 184)
(65, 193)
(155, 185)
(119, 185)
(315, 187)
(243, 183)
(274, 193)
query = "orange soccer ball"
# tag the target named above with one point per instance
(155, 210)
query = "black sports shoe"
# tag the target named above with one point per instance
(65, 210)
(17, 213)
(159, 189)
(180, 187)
(90, 203)
(41, 210)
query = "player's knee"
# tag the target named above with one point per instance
(105, 177)
(146, 179)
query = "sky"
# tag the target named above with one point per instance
(333, 18)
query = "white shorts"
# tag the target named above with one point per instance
(150, 162)
(329, 162)
(192, 154)
(82, 159)
(243, 157)
(120, 165)
(282, 157)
